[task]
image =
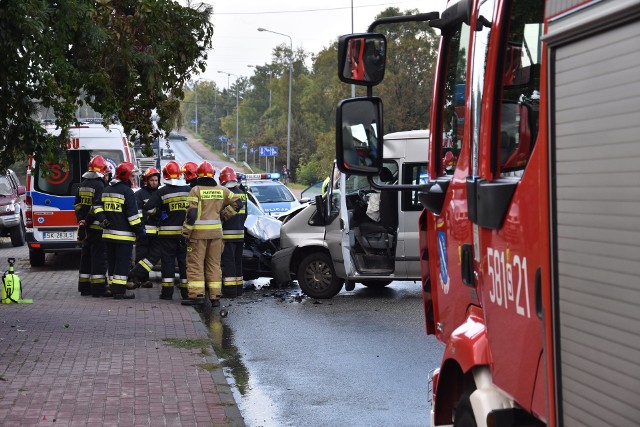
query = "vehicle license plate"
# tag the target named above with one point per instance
(59, 235)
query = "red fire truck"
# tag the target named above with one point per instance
(530, 236)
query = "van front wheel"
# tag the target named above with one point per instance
(317, 278)
(36, 257)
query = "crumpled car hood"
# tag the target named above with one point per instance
(263, 227)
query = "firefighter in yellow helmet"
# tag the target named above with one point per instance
(209, 205)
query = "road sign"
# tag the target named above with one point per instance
(245, 145)
(193, 122)
(268, 151)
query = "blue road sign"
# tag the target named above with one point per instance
(268, 151)
(245, 145)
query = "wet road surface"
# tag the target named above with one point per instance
(360, 359)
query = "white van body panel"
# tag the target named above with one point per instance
(352, 261)
(51, 224)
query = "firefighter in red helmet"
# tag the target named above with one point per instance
(150, 183)
(209, 205)
(233, 237)
(92, 276)
(121, 224)
(190, 173)
(169, 205)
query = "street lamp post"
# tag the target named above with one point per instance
(290, 79)
(195, 88)
(237, 109)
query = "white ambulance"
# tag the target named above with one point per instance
(50, 220)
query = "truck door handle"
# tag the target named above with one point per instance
(538, 293)
(466, 263)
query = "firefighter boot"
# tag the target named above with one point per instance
(126, 295)
(133, 281)
(239, 288)
(84, 287)
(98, 289)
(184, 292)
(228, 289)
(166, 292)
(148, 284)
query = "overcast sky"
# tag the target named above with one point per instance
(312, 26)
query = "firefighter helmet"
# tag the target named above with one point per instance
(190, 171)
(149, 173)
(125, 170)
(171, 170)
(206, 170)
(227, 174)
(99, 165)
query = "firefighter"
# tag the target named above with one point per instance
(233, 237)
(209, 205)
(190, 173)
(92, 279)
(169, 204)
(121, 224)
(151, 182)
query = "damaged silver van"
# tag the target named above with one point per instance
(355, 233)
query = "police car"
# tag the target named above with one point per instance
(274, 197)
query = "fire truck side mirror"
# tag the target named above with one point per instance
(362, 58)
(359, 136)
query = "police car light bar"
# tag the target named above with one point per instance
(252, 176)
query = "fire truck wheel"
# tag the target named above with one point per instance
(317, 278)
(463, 416)
(376, 284)
(36, 257)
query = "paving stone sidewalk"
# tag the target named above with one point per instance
(68, 360)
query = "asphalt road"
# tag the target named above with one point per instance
(360, 359)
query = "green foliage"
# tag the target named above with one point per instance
(263, 99)
(319, 164)
(123, 58)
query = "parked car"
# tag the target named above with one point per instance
(12, 207)
(177, 136)
(274, 197)
(168, 154)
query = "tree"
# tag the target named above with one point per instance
(408, 83)
(123, 58)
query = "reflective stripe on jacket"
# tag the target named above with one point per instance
(169, 202)
(233, 228)
(205, 204)
(121, 210)
(88, 201)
